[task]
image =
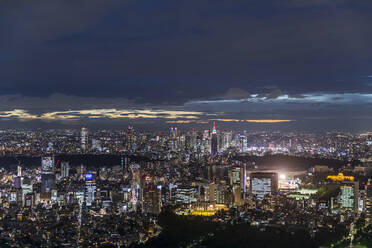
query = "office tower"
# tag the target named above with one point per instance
(214, 140)
(242, 142)
(13, 197)
(235, 176)
(349, 195)
(263, 183)
(47, 174)
(90, 189)
(226, 140)
(368, 201)
(211, 193)
(222, 194)
(84, 139)
(237, 198)
(194, 137)
(205, 135)
(185, 195)
(243, 178)
(47, 182)
(65, 169)
(217, 193)
(151, 200)
(26, 190)
(17, 182)
(173, 132)
(47, 164)
(28, 200)
(19, 171)
(104, 197)
(130, 138)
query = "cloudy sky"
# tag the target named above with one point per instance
(288, 64)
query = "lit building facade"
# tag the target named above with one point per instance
(151, 200)
(262, 184)
(48, 179)
(349, 196)
(90, 189)
(368, 202)
(84, 137)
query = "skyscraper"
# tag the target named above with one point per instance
(214, 140)
(84, 139)
(19, 171)
(226, 140)
(90, 189)
(151, 201)
(349, 195)
(47, 174)
(65, 169)
(368, 201)
(263, 183)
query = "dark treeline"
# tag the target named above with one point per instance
(89, 160)
(185, 231)
(292, 162)
(93, 161)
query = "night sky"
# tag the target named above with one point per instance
(268, 65)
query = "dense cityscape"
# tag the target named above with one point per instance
(186, 124)
(94, 188)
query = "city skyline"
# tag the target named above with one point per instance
(174, 123)
(127, 188)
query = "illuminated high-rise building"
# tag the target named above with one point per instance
(65, 169)
(217, 193)
(173, 132)
(84, 139)
(48, 180)
(234, 176)
(26, 189)
(349, 195)
(19, 171)
(214, 140)
(151, 200)
(131, 138)
(263, 183)
(226, 140)
(185, 195)
(47, 164)
(368, 201)
(17, 182)
(237, 199)
(90, 189)
(244, 178)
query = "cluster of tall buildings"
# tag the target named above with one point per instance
(192, 173)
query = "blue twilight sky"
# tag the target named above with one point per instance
(288, 64)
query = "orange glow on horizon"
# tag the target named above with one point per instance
(254, 121)
(187, 121)
(268, 121)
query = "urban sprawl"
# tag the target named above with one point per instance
(52, 195)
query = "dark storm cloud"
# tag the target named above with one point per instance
(121, 54)
(235, 93)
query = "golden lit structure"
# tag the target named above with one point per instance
(341, 177)
(208, 209)
(202, 209)
(203, 213)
